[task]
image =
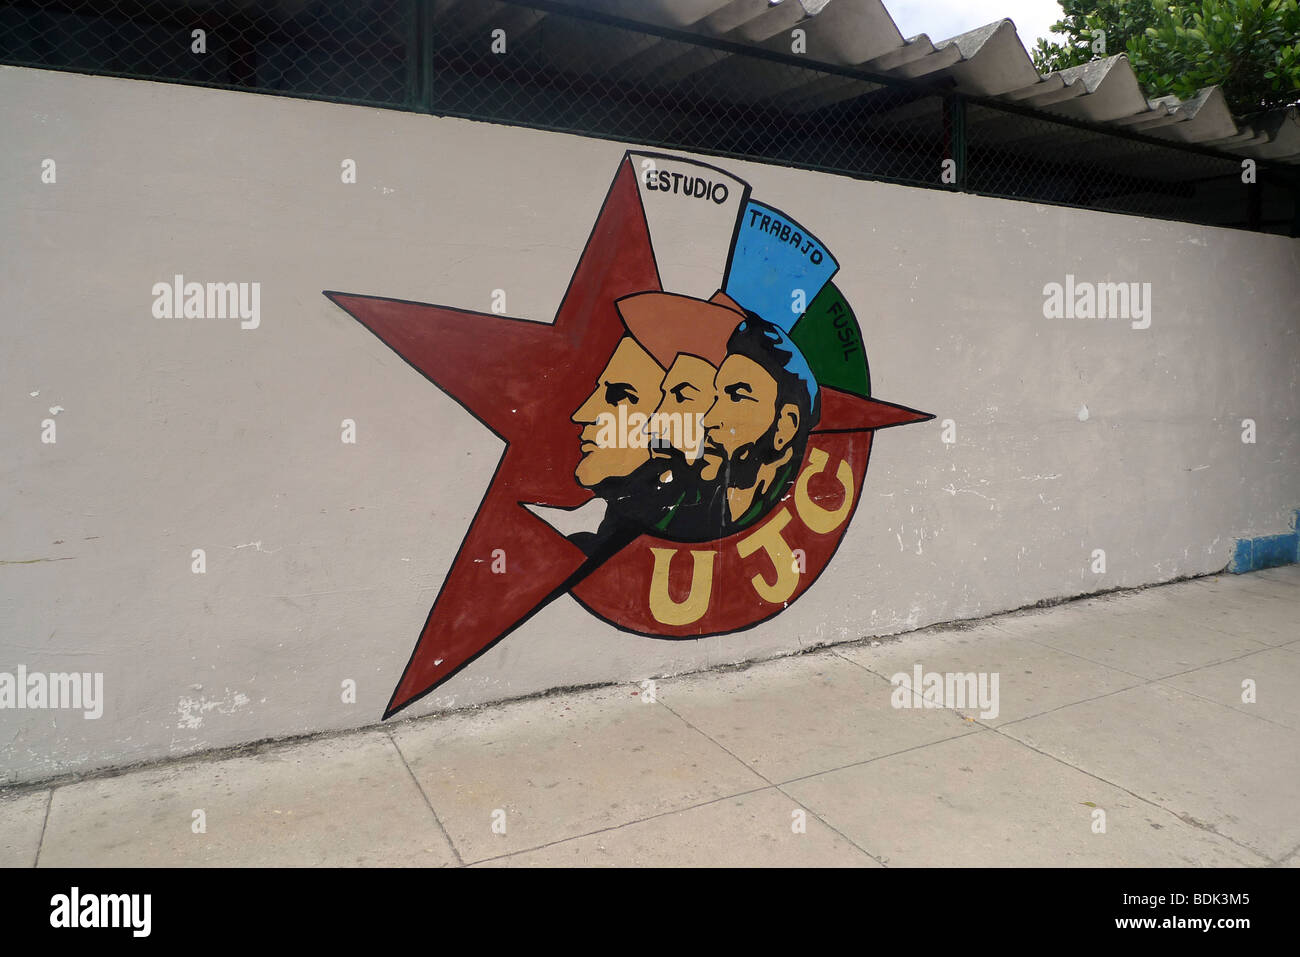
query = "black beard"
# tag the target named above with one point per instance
(740, 470)
(639, 502)
(635, 493)
(632, 505)
(642, 499)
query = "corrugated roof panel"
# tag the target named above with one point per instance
(1283, 129)
(678, 14)
(1054, 92)
(933, 60)
(734, 15)
(776, 20)
(1207, 117)
(989, 61)
(851, 32)
(993, 60)
(1111, 91)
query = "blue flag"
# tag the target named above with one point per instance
(778, 267)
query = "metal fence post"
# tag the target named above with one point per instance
(954, 129)
(419, 58)
(1295, 206)
(426, 52)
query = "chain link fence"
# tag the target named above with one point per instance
(549, 66)
(357, 51)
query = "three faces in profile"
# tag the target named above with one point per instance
(724, 402)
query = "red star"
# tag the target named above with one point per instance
(523, 383)
(523, 380)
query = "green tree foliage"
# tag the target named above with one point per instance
(1250, 48)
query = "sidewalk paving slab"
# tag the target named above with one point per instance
(1032, 677)
(796, 716)
(1211, 765)
(1217, 603)
(339, 801)
(1252, 606)
(563, 766)
(1269, 583)
(1276, 674)
(1143, 640)
(1283, 573)
(22, 817)
(984, 800)
(749, 830)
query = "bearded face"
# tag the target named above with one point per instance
(745, 430)
(668, 495)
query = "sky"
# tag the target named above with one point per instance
(947, 18)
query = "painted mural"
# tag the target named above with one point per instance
(685, 444)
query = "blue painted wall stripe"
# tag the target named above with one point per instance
(1267, 551)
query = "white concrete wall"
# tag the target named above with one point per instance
(323, 559)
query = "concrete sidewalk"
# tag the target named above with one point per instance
(1130, 705)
